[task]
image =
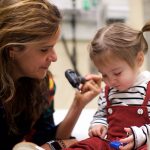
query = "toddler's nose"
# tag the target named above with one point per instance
(112, 82)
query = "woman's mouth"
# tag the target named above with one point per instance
(44, 68)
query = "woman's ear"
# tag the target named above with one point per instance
(11, 53)
(140, 58)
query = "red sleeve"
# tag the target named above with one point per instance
(92, 143)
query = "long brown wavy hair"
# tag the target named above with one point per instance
(22, 22)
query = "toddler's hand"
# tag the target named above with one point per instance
(98, 130)
(129, 140)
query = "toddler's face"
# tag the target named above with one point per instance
(118, 74)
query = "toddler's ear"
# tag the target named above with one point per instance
(140, 58)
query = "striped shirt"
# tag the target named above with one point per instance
(134, 96)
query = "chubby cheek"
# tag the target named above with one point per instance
(127, 81)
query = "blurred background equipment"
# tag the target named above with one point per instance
(81, 19)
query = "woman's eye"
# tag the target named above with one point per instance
(44, 49)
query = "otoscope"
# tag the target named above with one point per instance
(74, 79)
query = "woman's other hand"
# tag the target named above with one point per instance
(90, 89)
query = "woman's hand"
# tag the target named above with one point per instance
(90, 89)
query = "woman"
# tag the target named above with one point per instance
(29, 30)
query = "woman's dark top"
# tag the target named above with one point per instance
(43, 130)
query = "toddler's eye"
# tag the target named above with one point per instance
(118, 73)
(104, 76)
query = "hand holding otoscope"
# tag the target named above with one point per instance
(75, 79)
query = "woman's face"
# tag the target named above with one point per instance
(35, 60)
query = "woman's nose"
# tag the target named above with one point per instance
(52, 56)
